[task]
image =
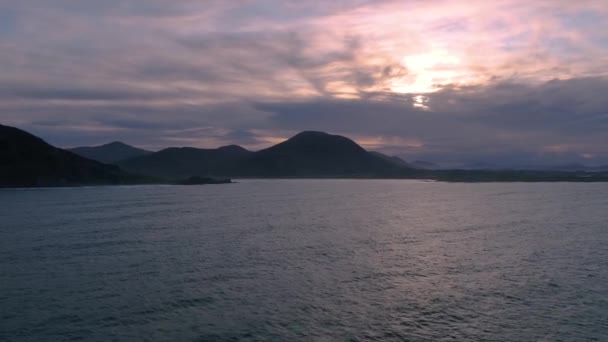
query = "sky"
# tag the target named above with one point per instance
(505, 81)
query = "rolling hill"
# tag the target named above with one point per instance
(183, 162)
(27, 161)
(109, 153)
(308, 154)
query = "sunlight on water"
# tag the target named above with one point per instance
(306, 260)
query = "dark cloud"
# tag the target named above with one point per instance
(503, 121)
(241, 137)
(51, 92)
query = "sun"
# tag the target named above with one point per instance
(427, 72)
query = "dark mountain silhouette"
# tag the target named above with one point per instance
(417, 164)
(570, 167)
(425, 165)
(317, 154)
(308, 154)
(26, 160)
(575, 167)
(109, 153)
(183, 162)
(566, 167)
(481, 166)
(196, 180)
(392, 159)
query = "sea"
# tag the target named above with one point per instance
(306, 260)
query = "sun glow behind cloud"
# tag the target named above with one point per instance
(427, 72)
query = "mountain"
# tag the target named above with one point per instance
(571, 167)
(576, 167)
(109, 153)
(26, 160)
(425, 165)
(568, 167)
(392, 159)
(481, 166)
(183, 162)
(317, 154)
(417, 164)
(308, 154)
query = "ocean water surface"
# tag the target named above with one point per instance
(311, 260)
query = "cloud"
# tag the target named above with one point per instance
(439, 79)
(495, 121)
(60, 92)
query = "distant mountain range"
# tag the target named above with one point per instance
(308, 154)
(425, 165)
(26, 160)
(109, 153)
(189, 160)
(181, 162)
(391, 159)
(572, 167)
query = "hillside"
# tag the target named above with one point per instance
(317, 154)
(425, 165)
(308, 154)
(183, 162)
(109, 153)
(26, 160)
(392, 159)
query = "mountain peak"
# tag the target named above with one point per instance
(317, 142)
(319, 136)
(233, 148)
(318, 154)
(311, 134)
(110, 152)
(116, 144)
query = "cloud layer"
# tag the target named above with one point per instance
(452, 81)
